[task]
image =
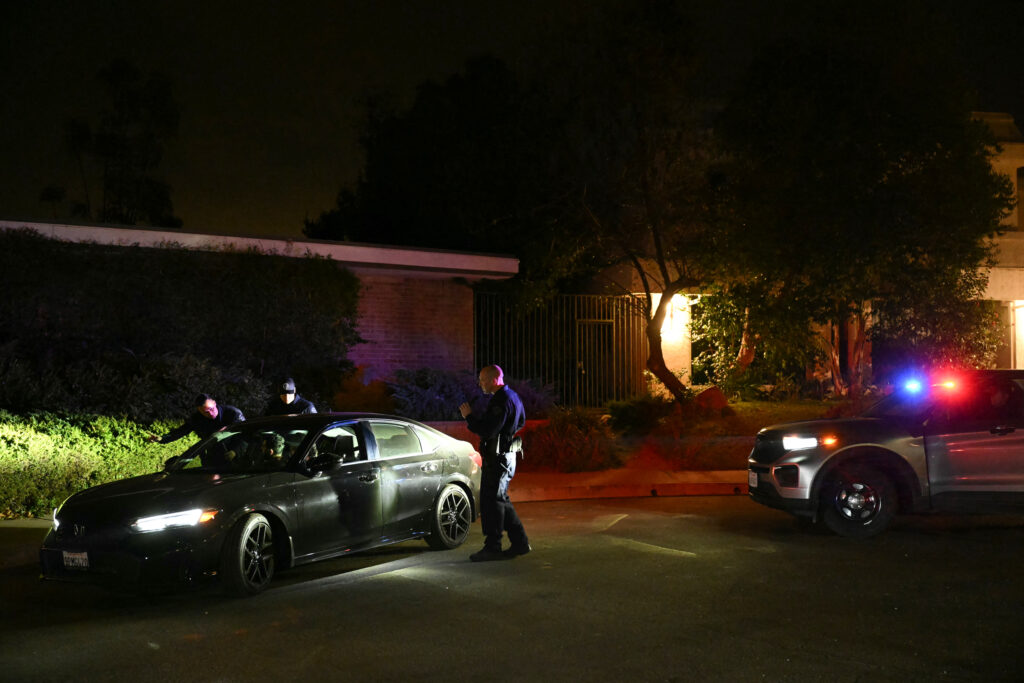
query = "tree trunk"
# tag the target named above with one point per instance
(857, 356)
(838, 384)
(656, 358)
(748, 346)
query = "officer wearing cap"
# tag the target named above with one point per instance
(288, 402)
(208, 418)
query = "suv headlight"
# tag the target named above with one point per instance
(173, 519)
(799, 443)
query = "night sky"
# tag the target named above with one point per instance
(269, 93)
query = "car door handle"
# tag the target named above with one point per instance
(1002, 430)
(429, 467)
(369, 477)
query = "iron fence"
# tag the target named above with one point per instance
(591, 349)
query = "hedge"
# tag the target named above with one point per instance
(44, 458)
(138, 331)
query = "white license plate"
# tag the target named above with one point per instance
(76, 560)
(752, 479)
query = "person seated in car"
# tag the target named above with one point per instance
(273, 451)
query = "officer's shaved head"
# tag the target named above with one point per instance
(492, 372)
(491, 379)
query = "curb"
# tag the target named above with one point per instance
(532, 487)
(634, 491)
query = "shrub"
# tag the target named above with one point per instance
(100, 329)
(571, 441)
(44, 458)
(640, 414)
(435, 395)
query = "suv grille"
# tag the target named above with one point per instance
(767, 448)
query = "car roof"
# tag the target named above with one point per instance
(321, 419)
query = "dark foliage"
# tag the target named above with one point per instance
(640, 414)
(477, 163)
(118, 157)
(435, 395)
(138, 332)
(571, 441)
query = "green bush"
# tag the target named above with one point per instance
(571, 441)
(44, 458)
(640, 414)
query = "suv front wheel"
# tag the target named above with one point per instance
(857, 501)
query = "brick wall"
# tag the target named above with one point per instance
(413, 323)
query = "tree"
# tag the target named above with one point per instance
(602, 158)
(861, 183)
(473, 164)
(645, 158)
(125, 149)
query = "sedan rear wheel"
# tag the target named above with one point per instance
(858, 501)
(452, 517)
(247, 561)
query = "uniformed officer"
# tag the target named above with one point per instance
(497, 428)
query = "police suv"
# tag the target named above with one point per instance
(947, 443)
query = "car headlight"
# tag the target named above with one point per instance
(173, 519)
(799, 443)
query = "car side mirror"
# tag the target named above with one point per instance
(325, 462)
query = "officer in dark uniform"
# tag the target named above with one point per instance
(497, 428)
(290, 403)
(207, 419)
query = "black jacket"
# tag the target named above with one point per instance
(299, 406)
(502, 419)
(204, 426)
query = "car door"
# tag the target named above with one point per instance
(975, 447)
(339, 493)
(410, 477)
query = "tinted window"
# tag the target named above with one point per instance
(340, 443)
(395, 439)
(243, 449)
(988, 404)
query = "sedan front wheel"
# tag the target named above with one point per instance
(247, 561)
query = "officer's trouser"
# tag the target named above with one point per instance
(496, 512)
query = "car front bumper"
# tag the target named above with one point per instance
(764, 488)
(140, 562)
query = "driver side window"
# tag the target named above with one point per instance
(989, 405)
(339, 443)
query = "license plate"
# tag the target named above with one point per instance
(752, 479)
(76, 560)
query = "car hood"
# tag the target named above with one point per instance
(150, 494)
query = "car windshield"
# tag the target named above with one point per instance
(902, 405)
(243, 448)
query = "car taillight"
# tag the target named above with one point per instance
(475, 457)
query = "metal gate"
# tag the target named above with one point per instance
(591, 349)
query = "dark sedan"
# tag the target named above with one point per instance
(268, 494)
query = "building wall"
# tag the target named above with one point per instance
(413, 323)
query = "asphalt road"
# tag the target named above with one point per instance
(646, 589)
